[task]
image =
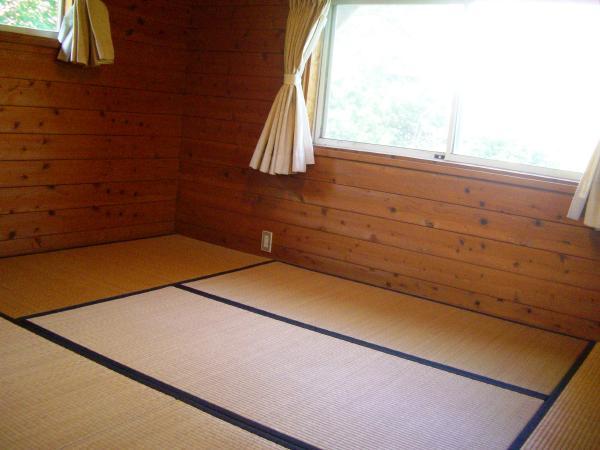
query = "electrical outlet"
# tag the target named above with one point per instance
(266, 241)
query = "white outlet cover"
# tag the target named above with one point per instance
(266, 241)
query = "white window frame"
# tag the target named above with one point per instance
(63, 6)
(448, 155)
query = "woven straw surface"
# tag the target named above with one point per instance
(36, 283)
(52, 398)
(327, 392)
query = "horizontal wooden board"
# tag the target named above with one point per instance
(248, 16)
(451, 168)
(541, 204)
(235, 86)
(220, 153)
(242, 155)
(223, 108)
(236, 63)
(133, 53)
(127, 24)
(63, 146)
(239, 2)
(27, 66)
(534, 203)
(22, 119)
(83, 238)
(174, 12)
(533, 233)
(129, 52)
(54, 197)
(223, 131)
(247, 40)
(33, 173)
(17, 92)
(25, 225)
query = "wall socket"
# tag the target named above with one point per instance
(266, 241)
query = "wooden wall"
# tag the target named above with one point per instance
(91, 155)
(484, 241)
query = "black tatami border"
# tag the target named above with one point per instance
(213, 409)
(142, 291)
(367, 344)
(545, 407)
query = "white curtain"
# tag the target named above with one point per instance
(587, 195)
(84, 34)
(285, 145)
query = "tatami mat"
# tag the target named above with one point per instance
(52, 398)
(516, 354)
(574, 420)
(35, 283)
(324, 391)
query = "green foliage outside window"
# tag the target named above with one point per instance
(37, 14)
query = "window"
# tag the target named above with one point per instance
(498, 83)
(37, 17)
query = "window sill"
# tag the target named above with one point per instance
(452, 168)
(28, 39)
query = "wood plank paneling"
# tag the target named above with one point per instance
(43, 66)
(66, 196)
(224, 108)
(131, 53)
(62, 146)
(235, 63)
(17, 119)
(35, 93)
(30, 224)
(577, 272)
(561, 238)
(250, 16)
(60, 241)
(480, 239)
(35, 173)
(235, 86)
(90, 155)
(147, 29)
(238, 39)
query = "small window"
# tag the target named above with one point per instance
(35, 17)
(498, 83)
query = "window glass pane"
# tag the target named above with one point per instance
(530, 88)
(37, 14)
(391, 79)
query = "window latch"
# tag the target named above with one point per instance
(439, 156)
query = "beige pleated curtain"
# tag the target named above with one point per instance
(587, 195)
(285, 144)
(84, 34)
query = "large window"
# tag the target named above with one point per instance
(500, 83)
(37, 17)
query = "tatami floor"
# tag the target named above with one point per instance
(171, 342)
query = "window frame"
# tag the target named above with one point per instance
(63, 7)
(448, 156)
